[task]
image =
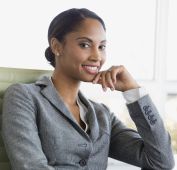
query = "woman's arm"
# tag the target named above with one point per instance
(150, 147)
(20, 132)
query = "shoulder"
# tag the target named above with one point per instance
(19, 88)
(19, 93)
(18, 100)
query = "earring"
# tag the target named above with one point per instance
(57, 54)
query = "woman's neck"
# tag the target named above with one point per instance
(67, 88)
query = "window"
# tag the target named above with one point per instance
(172, 41)
(171, 75)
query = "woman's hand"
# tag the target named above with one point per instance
(116, 78)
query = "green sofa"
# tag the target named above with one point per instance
(10, 76)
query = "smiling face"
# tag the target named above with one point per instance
(83, 52)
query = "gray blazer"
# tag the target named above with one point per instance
(41, 134)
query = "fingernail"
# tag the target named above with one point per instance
(112, 88)
(94, 82)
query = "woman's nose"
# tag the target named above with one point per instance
(96, 55)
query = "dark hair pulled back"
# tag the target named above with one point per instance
(67, 22)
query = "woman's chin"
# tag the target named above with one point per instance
(88, 79)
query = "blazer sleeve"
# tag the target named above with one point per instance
(20, 131)
(148, 147)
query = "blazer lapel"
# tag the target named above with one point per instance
(51, 94)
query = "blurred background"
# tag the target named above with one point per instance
(141, 34)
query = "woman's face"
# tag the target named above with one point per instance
(83, 52)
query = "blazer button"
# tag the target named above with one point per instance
(152, 122)
(82, 162)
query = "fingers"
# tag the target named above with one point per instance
(106, 79)
(116, 78)
(116, 70)
(97, 79)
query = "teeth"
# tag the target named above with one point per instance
(91, 68)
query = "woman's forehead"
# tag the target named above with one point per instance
(90, 29)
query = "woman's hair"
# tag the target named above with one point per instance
(67, 22)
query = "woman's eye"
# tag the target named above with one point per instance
(102, 47)
(84, 45)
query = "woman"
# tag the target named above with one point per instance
(54, 126)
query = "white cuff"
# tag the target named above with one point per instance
(134, 94)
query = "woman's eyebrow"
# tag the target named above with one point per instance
(88, 39)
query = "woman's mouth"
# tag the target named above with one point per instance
(90, 69)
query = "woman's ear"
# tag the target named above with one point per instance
(55, 46)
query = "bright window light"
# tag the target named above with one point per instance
(130, 32)
(172, 41)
